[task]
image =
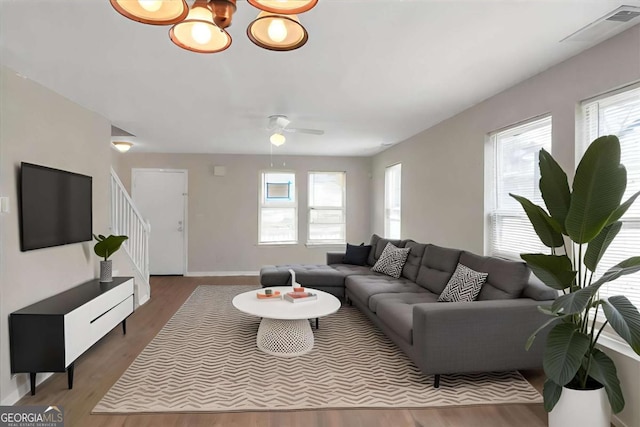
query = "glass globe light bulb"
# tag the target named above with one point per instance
(201, 33)
(150, 5)
(277, 30)
(277, 139)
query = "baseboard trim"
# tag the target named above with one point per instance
(24, 389)
(144, 300)
(221, 273)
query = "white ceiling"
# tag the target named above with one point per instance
(373, 72)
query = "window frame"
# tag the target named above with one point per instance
(495, 213)
(387, 208)
(311, 208)
(590, 131)
(274, 204)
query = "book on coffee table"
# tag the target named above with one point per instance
(296, 297)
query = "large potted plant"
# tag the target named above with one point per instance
(582, 386)
(106, 247)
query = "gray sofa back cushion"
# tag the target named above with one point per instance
(411, 267)
(436, 267)
(506, 280)
(377, 246)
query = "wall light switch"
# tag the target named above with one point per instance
(219, 171)
(4, 205)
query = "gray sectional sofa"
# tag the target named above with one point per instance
(488, 334)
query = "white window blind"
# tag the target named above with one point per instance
(516, 171)
(278, 221)
(620, 115)
(392, 201)
(327, 215)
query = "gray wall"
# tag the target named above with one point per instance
(223, 210)
(40, 126)
(443, 168)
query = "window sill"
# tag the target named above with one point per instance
(276, 243)
(323, 244)
(613, 343)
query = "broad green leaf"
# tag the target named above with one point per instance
(574, 302)
(566, 347)
(622, 209)
(551, 393)
(624, 318)
(598, 186)
(108, 246)
(628, 266)
(603, 370)
(542, 223)
(555, 271)
(554, 187)
(598, 246)
(535, 334)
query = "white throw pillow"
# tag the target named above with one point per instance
(391, 261)
(464, 285)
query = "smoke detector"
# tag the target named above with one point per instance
(607, 26)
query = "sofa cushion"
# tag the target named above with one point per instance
(312, 275)
(363, 287)
(404, 297)
(357, 255)
(464, 285)
(391, 261)
(506, 279)
(436, 267)
(411, 267)
(398, 317)
(377, 246)
(349, 269)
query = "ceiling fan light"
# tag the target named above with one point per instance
(198, 32)
(277, 32)
(286, 7)
(277, 139)
(154, 12)
(122, 146)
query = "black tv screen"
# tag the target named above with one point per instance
(55, 207)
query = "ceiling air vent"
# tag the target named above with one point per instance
(607, 26)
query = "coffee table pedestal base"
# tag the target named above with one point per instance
(285, 338)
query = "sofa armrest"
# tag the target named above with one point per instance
(335, 258)
(479, 336)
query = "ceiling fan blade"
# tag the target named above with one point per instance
(309, 131)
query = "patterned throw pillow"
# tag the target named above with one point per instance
(464, 285)
(391, 261)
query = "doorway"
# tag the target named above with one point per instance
(161, 197)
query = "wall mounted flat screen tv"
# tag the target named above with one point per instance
(55, 207)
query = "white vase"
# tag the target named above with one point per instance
(580, 408)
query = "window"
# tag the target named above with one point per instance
(278, 221)
(392, 199)
(619, 115)
(327, 207)
(516, 171)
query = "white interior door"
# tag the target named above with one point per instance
(160, 195)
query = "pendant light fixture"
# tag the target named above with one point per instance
(277, 32)
(284, 7)
(154, 12)
(199, 32)
(277, 139)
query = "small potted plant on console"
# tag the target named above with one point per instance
(106, 247)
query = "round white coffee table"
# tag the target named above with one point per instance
(284, 330)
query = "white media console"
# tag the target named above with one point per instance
(50, 335)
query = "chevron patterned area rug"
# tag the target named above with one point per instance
(205, 359)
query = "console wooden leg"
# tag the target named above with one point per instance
(32, 380)
(70, 375)
(317, 323)
(436, 381)
(124, 327)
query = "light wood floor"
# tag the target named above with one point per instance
(98, 369)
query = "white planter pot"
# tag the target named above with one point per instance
(580, 408)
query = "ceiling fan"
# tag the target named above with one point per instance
(279, 124)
